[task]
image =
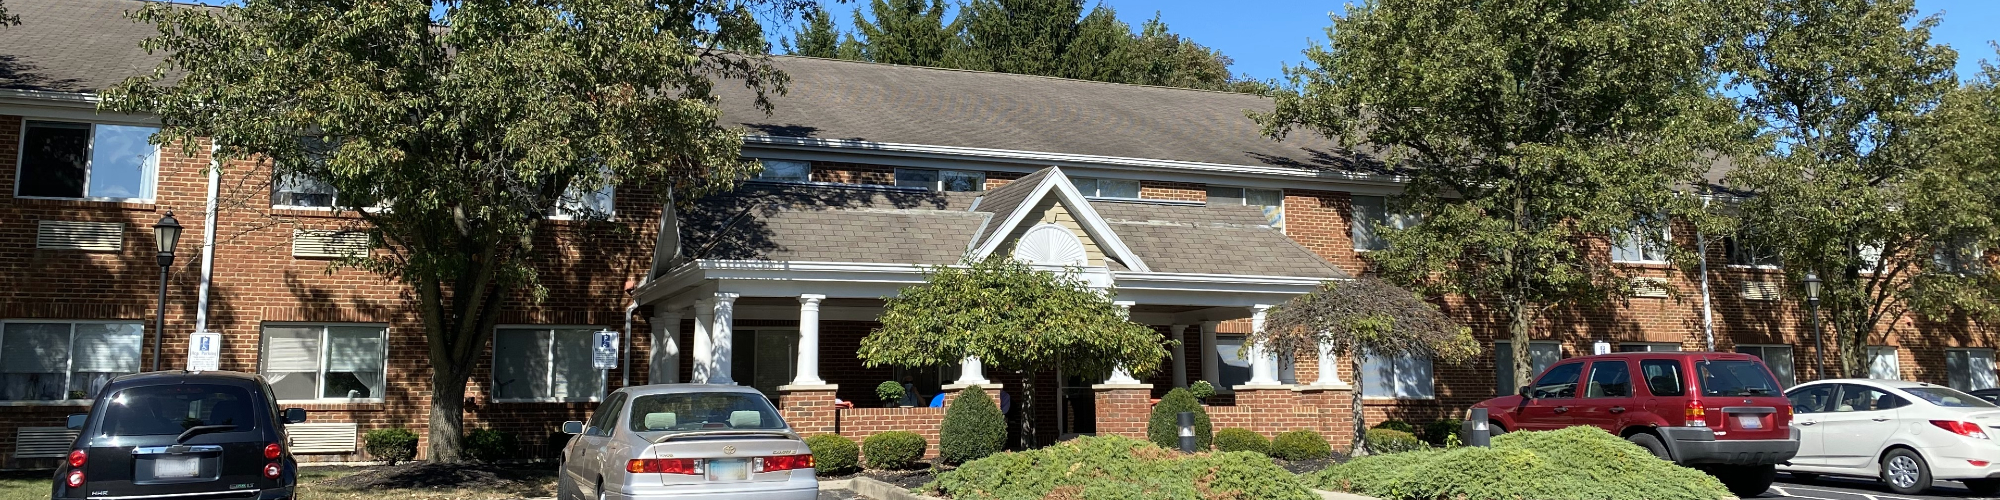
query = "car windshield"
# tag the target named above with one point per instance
(704, 411)
(1735, 378)
(172, 409)
(1948, 397)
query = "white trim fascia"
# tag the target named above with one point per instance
(694, 273)
(921, 150)
(1085, 215)
(65, 106)
(1124, 277)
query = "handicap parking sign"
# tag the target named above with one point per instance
(204, 352)
(604, 352)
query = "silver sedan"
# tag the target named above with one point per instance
(685, 441)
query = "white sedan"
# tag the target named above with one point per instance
(1905, 433)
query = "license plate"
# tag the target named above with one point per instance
(176, 467)
(728, 470)
(1749, 422)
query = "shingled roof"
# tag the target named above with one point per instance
(73, 45)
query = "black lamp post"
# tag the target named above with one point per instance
(1819, 346)
(167, 233)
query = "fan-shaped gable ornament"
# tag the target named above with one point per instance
(1051, 245)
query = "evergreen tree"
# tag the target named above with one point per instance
(1167, 59)
(905, 32)
(849, 49)
(1101, 50)
(818, 38)
(1018, 36)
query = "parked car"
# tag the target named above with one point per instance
(1722, 413)
(685, 441)
(1990, 395)
(1905, 433)
(181, 434)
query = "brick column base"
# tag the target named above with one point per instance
(1333, 406)
(808, 408)
(1122, 409)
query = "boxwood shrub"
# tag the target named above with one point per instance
(1121, 468)
(973, 428)
(1164, 428)
(1235, 439)
(1382, 441)
(1440, 432)
(1574, 463)
(1302, 444)
(488, 445)
(893, 450)
(833, 454)
(395, 444)
(1397, 425)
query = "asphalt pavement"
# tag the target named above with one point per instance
(1843, 488)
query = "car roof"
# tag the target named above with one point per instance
(1666, 355)
(239, 379)
(1897, 384)
(648, 390)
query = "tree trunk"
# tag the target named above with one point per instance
(1028, 409)
(447, 420)
(1516, 302)
(1360, 418)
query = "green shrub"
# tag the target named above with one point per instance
(487, 445)
(1382, 441)
(973, 428)
(1442, 431)
(1234, 439)
(833, 454)
(1164, 428)
(1397, 425)
(1121, 468)
(1302, 444)
(1202, 390)
(1574, 463)
(392, 445)
(889, 391)
(893, 450)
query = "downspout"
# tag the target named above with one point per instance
(626, 353)
(208, 240)
(1707, 311)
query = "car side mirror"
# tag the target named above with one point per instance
(1525, 392)
(573, 427)
(295, 415)
(76, 421)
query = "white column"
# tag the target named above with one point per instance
(703, 369)
(1180, 355)
(809, 341)
(666, 347)
(1329, 369)
(724, 339)
(1118, 373)
(1263, 364)
(1209, 369)
(970, 372)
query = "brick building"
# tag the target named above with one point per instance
(1168, 196)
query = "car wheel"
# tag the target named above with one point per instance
(600, 488)
(1746, 481)
(1651, 444)
(1494, 429)
(1983, 487)
(1905, 473)
(562, 483)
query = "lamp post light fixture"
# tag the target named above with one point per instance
(166, 233)
(1819, 346)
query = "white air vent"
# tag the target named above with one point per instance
(315, 243)
(73, 235)
(43, 442)
(321, 438)
(1760, 290)
(1653, 288)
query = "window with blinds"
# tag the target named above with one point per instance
(56, 360)
(320, 362)
(533, 364)
(1970, 369)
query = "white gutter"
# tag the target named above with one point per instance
(208, 241)
(1045, 158)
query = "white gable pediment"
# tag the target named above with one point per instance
(1055, 192)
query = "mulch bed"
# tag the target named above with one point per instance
(916, 476)
(427, 475)
(1309, 466)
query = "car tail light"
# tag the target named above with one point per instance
(75, 479)
(1978, 463)
(272, 451)
(76, 458)
(783, 463)
(1697, 415)
(664, 466)
(1967, 429)
(272, 470)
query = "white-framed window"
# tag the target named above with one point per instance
(1960, 256)
(1776, 357)
(296, 190)
(1648, 347)
(1871, 256)
(1271, 200)
(765, 358)
(54, 360)
(1882, 363)
(1106, 188)
(784, 170)
(545, 364)
(1745, 252)
(1645, 241)
(86, 161)
(577, 204)
(306, 362)
(1970, 369)
(941, 180)
(1233, 362)
(1401, 377)
(1541, 354)
(1371, 215)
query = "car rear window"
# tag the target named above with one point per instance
(1735, 378)
(704, 411)
(1948, 397)
(172, 409)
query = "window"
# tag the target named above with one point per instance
(1663, 377)
(545, 364)
(82, 160)
(1871, 256)
(1970, 369)
(1882, 363)
(1735, 377)
(154, 411)
(1402, 377)
(1234, 363)
(1271, 200)
(941, 180)
(1559, 382)
(1776, 357)
(604, 422)
(1744, 250)
(1643, 242)
(48, 360)
(1948, 398)
(683, 412)
(577, 204)
(1960, 256)
(299, 190)
(1540, 356)
(305, 362)
(765, 359)
(1371, 214)
(785, 171)
(1648, 347)
(1106, 188)
(1813, 399)
(1609, 379)
(1854, 397)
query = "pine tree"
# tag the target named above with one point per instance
(906, 32)
(1018, 36)
(818, 38)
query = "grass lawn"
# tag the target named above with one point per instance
(34, 485)
(30, 485)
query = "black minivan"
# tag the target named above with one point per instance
(181, 435)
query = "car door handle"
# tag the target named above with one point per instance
(1807, 422)
(1880, 419)
(1617, 409)
(1562, 409)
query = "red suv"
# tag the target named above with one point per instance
(1722, 413)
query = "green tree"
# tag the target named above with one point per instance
(973, 428)
(817, 38)
(1012, 318)
(849, 49)
(1364, 316)
(1529, 132)
(1027, 37)
(910, 32)
(466, 137)
(1167, 59)
(6, 19)
(1873, 176)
